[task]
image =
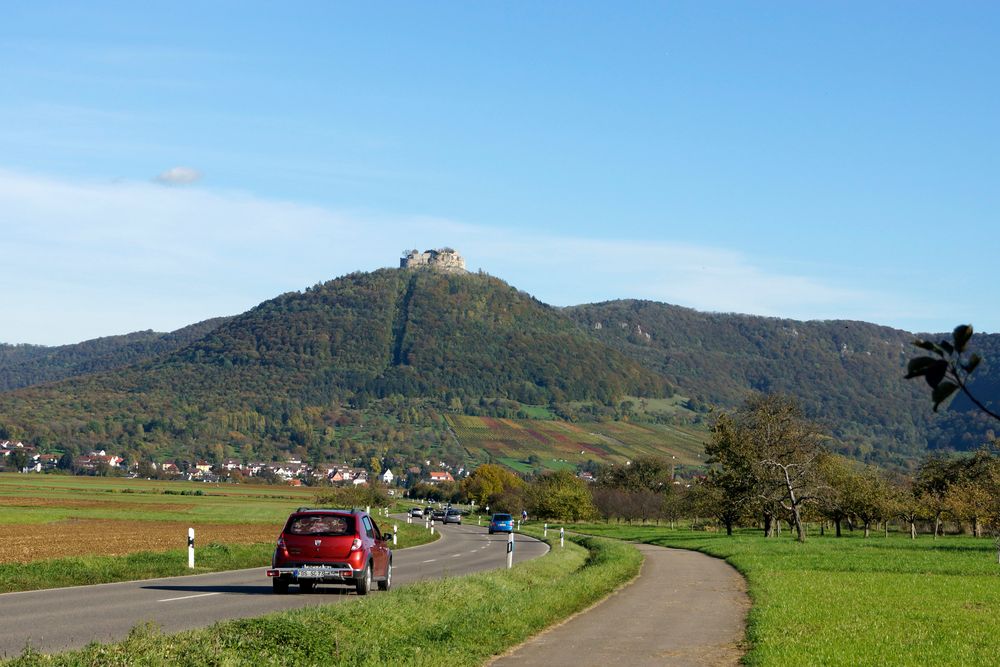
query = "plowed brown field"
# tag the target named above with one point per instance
(108, 537)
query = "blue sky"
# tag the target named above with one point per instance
(166, 163)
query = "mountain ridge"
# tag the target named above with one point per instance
(400, 347)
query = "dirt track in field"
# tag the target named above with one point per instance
(108, 537)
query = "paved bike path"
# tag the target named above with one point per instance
(684, 608)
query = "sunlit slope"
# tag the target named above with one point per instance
(527, 443)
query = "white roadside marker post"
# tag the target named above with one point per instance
(395, 529)
(191, 548)
(510, 550)
(562, 532)
(545, 530)
(519, 525)
(368, 509)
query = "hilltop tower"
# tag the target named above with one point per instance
(442, 259)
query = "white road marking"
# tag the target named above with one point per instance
(456, 555)
(188, 597)
(431, 560)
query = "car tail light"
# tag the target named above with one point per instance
(356, 544)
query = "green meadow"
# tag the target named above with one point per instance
(856, 601)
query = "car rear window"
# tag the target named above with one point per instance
(321, 524)
(501, 517)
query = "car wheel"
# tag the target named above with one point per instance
(306, 586)
(279, 586)
(365, 582)
(386, 583)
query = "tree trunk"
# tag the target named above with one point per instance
(767, 526)
(913, 530)
(867, 528)
(729, 527)
(837, 523)
(937, 525)
(822, 528)
(800, 533)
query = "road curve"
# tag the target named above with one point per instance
(685, 608)
(66, 618)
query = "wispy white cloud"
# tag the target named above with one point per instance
(92, 258)
(179, 176)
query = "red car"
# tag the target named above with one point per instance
(325, 546)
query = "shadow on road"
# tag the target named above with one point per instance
(250, 590)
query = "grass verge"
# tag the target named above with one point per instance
(452, 621)
(85, 570)
(856, 601)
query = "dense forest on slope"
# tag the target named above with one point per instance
(847, 374)
(26, 365)
(311, 369)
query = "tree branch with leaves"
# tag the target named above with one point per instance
(949, 369)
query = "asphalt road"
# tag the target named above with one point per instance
(685, 608)
(65, 618)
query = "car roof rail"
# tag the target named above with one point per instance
(353, 510)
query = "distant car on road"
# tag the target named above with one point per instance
(438, 515)
(453, 516)
(324, 546)
(501, 523)
(417, 512)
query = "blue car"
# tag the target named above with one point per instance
(501, 523)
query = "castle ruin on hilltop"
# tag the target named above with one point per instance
(442, 259)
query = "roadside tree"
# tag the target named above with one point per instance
(489, 482)
(560, 495)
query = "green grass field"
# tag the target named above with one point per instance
(452, 621)
(856, 601)
(46, 498)
(559, 444)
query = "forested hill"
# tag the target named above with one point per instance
(275, 371)
(366, 363)
(848, 374)
(26, 365)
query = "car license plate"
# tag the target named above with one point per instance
(312, 573)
